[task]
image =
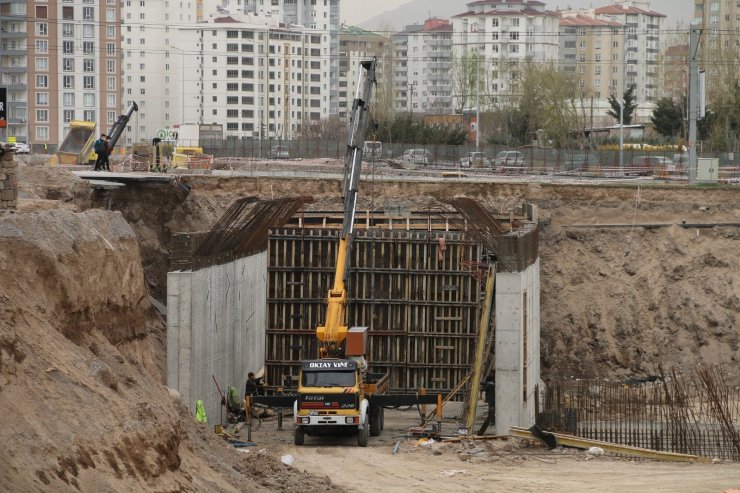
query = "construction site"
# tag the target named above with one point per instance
(305, 325)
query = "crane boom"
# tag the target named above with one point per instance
(332, 334)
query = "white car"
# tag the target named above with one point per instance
(416, 156)
(474, 159)
(22, 148)
(509, 158)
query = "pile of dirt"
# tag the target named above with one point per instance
(81, 355)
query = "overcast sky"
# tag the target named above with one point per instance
(358, 11)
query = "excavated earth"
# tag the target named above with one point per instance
(82, 348)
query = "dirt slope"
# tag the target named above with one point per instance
(80, 371)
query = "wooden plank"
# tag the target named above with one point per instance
(584, 443)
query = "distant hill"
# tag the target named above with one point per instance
(416, 11)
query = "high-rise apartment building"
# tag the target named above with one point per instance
(153, 63)
(593, 51)
(719, 44)
(641, 40)
(355, 45)
(422, 68)
(255, 75)
(503, 35)
(61, 61)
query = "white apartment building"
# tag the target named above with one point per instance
(317, 15)
(422, 68)
(255, 76)
(60, 61)
(356, 45)
(504, 34)
(641, 44)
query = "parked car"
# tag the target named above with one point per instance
(579, 161)
(509, 158)
(475, 159)
(279, 152)
(22, 148)
(648, 165)
(417, 156)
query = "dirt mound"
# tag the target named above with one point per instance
(80, 370)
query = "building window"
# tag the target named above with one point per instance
(88, 115)
(68, 115)
(514, 35)
(68, 82)
(68, 30)
(110, 32)
(88, 100)
(42, 64)
(88, 13)
(88, 48)
(88, 65)
(111, 101)
(42, 116)
(111, 83)
(42, 29)
(42, 82)
(111, 116)
(110, 49)
(42, 133)
(494, 22)
(42, 46)
(42, 98)
(110, 15)
(88, 82)
(68, 99)
(515, 22)
(68, 47)
(68, 13)
(88, 31)
(111, 66)
(41, 11)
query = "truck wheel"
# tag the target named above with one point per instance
(299, 436)
(362, 437)
(374, 416)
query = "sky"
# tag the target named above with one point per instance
(358, 11)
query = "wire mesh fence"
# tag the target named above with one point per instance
(696, 413)
(661, 164)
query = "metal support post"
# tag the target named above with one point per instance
(693, 97)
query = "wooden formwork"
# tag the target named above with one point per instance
(410, 287)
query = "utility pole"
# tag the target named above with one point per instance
(693, 96)
(621, 135)
(477, 101)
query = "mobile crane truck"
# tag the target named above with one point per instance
(337, 394)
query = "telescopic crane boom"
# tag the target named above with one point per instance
(333, 333)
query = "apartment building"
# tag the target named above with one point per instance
(61, 61)
(154, 64)
(593, 51)
(317, 15)
(641, 28)
(355, 45)
(719, 44)
(255, 75)
(675, 72)
(422, 68)
(504, 34)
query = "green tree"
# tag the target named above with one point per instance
(629, 105)
(667, 117)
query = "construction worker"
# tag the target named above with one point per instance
(108, 149)
(489, 389)
(99, 148)
(251, 388)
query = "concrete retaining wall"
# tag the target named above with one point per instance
(215, 326)
(517, 363)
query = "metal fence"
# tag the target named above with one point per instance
(696, 413)
(667, 164)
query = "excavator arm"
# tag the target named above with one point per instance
(333, 333)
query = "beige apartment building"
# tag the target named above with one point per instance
(593, 50)
(61, 61)
(719, 44)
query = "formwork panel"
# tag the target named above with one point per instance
(410, 288)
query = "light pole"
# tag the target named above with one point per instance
(411, 97)
(182, 83)
(477, 101)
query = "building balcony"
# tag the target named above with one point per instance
(13, 70)
(15, 87)
(7, 52)
(12, 34)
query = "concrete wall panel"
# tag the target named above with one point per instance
(216, 328)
